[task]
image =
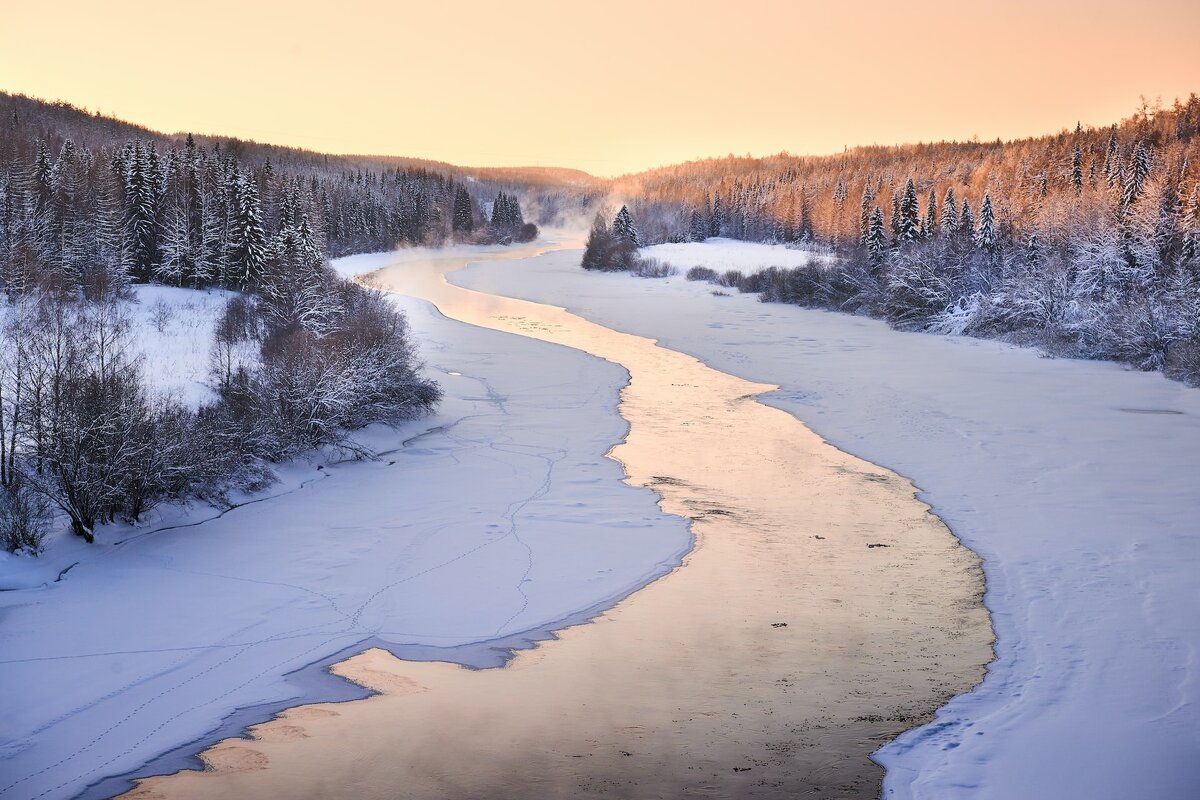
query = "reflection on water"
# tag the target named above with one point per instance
(822, 611)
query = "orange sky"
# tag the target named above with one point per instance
(608, 87)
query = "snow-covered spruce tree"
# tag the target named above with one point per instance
(986, 238)
(697, 227)
(929, 226)
(1077, 169)
(141, 202)
(868, 200)
(949, 218)
(896, 217)
(624, 229)
(1135, 175)
(463, 213)
(966, 221)
(106, 273)
(908, 228)
(1112, 159)
(248, 240)
(876, 244)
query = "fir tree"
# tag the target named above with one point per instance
(986, 237)
(876, 238)
(1033, 253)
(966, 221)
(247, 238)
(949, 218)
(1135, 176)
(897, 218)
(908, 229)
(624, 229)
(864, 226)
(463, 215)
(141, 198)
(1112, 158)
(931, 216)
(1077, 169)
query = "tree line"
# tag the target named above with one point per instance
(1086, 242)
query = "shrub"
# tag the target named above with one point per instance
(653, 268)
(24, 517)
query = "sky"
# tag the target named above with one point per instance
(610, 87)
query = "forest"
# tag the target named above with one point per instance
(91, 207)
(1085, 243)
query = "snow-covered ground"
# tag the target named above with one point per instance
(482, 528)
(722, 255)
(1075, 481)
(173, 330)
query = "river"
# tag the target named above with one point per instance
(822, 611)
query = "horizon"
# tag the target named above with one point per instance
(621, 102)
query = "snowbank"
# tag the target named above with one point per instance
(1075, 481)
(724, 254)
(481, 529)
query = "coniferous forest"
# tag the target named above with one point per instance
(1086, 243)
(91, 206)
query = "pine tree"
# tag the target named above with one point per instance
(864, 227)
(1112, 158)
(986, 237)
(897, 218)
(141, 201)
(966, 220)
(248, 240)
(463, 216)
(1077, 169)
(716, 220)
(624, 229)
(1034, 258)
(929, 229)
(949, 218)
(697, 228)
(876, 238)
(1135, 176)
(110, 265)
(908, 211)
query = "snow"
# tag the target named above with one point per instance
(173, 330)
(723, 254)
(1074, 480)
(480, 530)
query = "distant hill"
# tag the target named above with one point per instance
(55, 121)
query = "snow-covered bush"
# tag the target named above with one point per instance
(653, 268)
(311, 386)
